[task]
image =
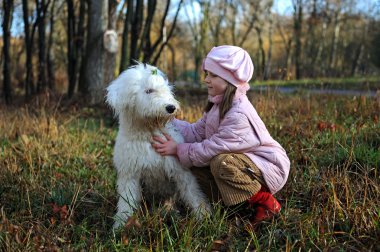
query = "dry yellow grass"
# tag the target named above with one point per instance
(57, 181)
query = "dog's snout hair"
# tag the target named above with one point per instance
(170, 108)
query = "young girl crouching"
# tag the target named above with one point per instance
(229, 149)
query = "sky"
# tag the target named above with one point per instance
(285, 7)
(371, 7)
(282, 6)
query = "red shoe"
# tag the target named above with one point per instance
(266, 206)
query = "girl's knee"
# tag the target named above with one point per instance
(219, 164)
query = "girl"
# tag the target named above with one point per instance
(229, 149)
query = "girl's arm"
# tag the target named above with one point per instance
(166, 146)
(235, 135)
(192, 132)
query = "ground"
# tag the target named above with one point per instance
(58, 184)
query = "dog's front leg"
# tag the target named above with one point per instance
(129, 191)
(191, 193)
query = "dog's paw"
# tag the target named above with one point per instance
(203, 211)
(117, 224)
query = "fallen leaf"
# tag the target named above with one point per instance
(64, 212)
(125, 240)
(217, 245)
(132, 222)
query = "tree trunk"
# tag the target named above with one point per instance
(138, 17)
(233, 23)
(335, 41)
(267, 69)
(50, 50)
(95, 56)
(298, 15)
(216, 27)
(71, 50)
(166, 40)
(359, 51)
(124, 61)
(42, 56)
(252, 20)
(7, 88)
(29, 85)
(110, 57)
(173, 65)
(262, 51)
(317, 59)
(287, 45)
(146, 45)
(311, 41)
(80, 49)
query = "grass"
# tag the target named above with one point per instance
(58, 184)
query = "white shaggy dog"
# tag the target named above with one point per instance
(144, 102)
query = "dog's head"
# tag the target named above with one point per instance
(142, 90)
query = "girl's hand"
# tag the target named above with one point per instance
(165, 147)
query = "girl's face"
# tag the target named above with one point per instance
(215, 84)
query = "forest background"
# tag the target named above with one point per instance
(78, 47)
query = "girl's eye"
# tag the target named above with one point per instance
(209, 74)
(149, 91)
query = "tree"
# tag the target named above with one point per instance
(110, 57)
(267, 67)
(42, 7)
(375, 49)
(199, 32)
(337, 17)
(101, 49)
(137, 41)
(162, 40)
(29, 85)
(7, 21)
(125, 40)
(216, 20)
(298, 20)
(50, 53)
(95, 56)
(71, 50)
(75, 41)
(287, 41)
(80, 47)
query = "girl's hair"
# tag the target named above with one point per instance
(226, 103)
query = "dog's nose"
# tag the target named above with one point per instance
(170, 108)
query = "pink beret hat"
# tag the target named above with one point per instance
(231, 63)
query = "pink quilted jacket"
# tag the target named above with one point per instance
(241, 131)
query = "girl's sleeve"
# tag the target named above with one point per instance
(192, 132)
(235, 135)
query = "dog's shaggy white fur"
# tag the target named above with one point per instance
(144, 102)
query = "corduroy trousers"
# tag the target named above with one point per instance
(232, 178)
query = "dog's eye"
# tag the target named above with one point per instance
(149, 90)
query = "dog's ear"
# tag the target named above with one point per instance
(111, 95)
(118, 89)
(122, 91)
